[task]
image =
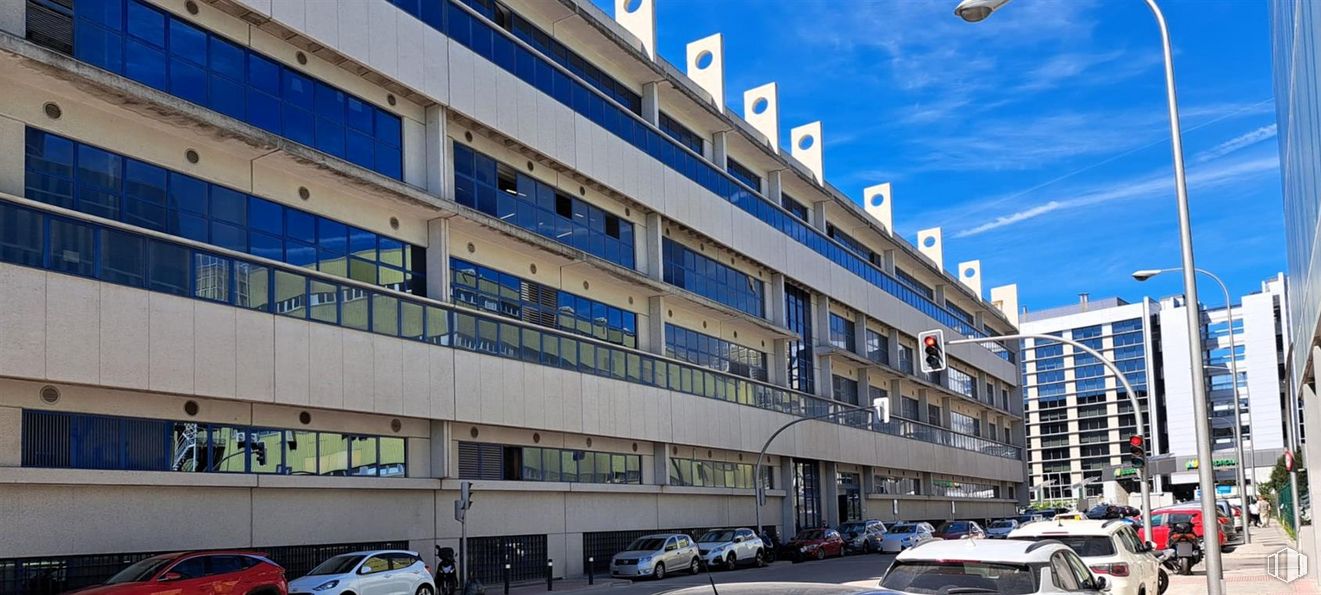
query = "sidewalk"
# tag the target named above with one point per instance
(1245, 570)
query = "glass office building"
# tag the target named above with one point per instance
(268, 266)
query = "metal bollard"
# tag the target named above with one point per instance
(591, 572)
(506, 578)
(550, 571)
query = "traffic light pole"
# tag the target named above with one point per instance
(1132, 399)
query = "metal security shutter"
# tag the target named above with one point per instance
(45, 439)
(546, 300)
(50, 23)
(481, 461)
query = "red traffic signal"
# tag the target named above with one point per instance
(930, 341)
(1135, 441)
(1137, 452)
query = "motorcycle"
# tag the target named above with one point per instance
(447, 575)
(770, 549)
(1183, 549)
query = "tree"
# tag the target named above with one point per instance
(1280, 477)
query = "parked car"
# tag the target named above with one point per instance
(657, 555)
(902, 536)
(1026, 518)
(730, 547)
(862, 536)
(383, 572)
(1228, 510)
(1104, 512)
(960, 530)
(197, 572)
(1163, 518)
(1109, 548)
(1000, 529)
(1007, 566)
(816, 544)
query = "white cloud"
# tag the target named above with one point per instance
(1149, 186)
(1240, 142)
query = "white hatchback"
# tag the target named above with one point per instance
(389, 572)
(1110, 548)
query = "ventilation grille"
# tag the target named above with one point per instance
(50, 24)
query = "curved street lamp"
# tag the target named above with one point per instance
(978, 10)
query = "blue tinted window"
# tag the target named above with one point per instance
(695, 272)
(715, 353)
(498, 190)
(169, 54)
(62, 172)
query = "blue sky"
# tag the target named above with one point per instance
(1038, 139)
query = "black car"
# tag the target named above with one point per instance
(1102, 512)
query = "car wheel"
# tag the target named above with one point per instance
(730, 561)
(760, 560)
(695, 566)
(1162, 582)
(659, 573)
(425, 590)
(820, 553)
(866, 547)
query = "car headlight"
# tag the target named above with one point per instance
(645, 560)
(327, 585)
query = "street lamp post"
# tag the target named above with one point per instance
(1143, 275)
(976, 10)
(1138, 418)
(880, 408)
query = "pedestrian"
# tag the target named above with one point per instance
(1254, 514)
(1265, 506)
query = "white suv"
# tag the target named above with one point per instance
(1002, 566)
(730, 547)
(389, 572)
(1110, 548)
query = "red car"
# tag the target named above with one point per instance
(960, 530)
(1163, 518)
(816, 544)
(195, 573)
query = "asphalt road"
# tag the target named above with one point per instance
(863, 570)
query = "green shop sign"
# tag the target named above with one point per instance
(1215, 464)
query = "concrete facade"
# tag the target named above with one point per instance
(85, 346)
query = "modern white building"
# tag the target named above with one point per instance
(282, 274)
(1078, 424)
(1079, 417)
(1259, 337)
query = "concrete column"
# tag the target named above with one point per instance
(789, 507)
(661, 453)
(419, 456)
(887, 261)
(719, 150)
(894, 349)
(775, 306)
(774, 186)
(945, 411)
(864, 387)
(860, 334)
(651, 103)
(825, 371)
(986, 422)
(650, 251)
(12, 135)
(778, 367)
(439, 166)
(922, 402)
(654, 341)
(829, 493)
(13, 18)
(438, 259)
(819, 215)
(440, 449)
(821, 330)
(939, 291)
(11, 432)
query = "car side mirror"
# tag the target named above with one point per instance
(365, 570)
(1102, 584)
(170, 576)
(738, 540)
(1151, 547)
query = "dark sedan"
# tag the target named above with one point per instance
(960, 530)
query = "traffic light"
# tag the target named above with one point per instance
(259, 452)
(933, 350)
(1137, 451)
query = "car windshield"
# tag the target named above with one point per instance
(140, 571)
(337, 565)
(954, 576)
(812, 534)
(1085, 545)
(647, 544)
(959, 526)
(1025, 519)
(1179, 517)
(852, 527)
(718, 536)
(903, 529)
(1002, 525)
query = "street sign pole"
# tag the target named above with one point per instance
(461, 507)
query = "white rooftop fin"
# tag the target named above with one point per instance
(970, 274)
(807, 148)
(878, 201)
(928, 243)
(761, 109)
(706, 66)
(1005, 297)
(639, 18)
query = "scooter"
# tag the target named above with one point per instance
(447, 575)
(1183, 549)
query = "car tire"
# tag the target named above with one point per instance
(866, 547)
(760, 559)
(694, 567)
(731, 561)
(1162, 582)
(820, 553)
(659, 572)
(425, 590)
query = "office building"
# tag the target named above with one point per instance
(284, 274)
(1079, 417)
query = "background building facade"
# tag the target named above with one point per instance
(275, 275)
